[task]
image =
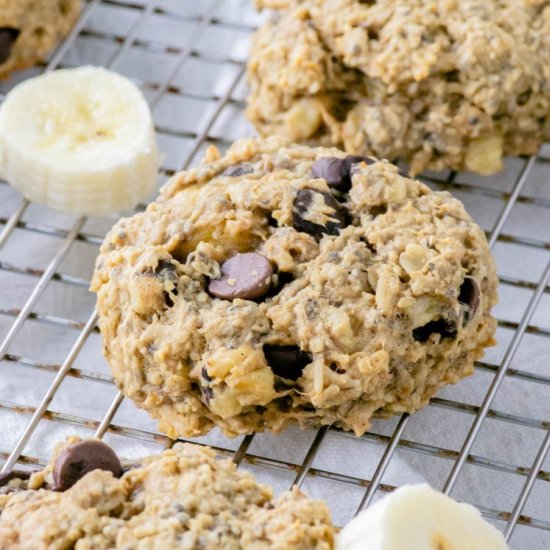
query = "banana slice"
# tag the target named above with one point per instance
(79, 140)
(416, 517)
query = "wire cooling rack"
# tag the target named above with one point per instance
(485, 440)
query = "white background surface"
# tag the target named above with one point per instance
(520, 413)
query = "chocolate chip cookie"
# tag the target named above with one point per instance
(183, 498)
(440, 84)
(282, 283)
(30, 30)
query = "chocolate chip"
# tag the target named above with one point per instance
(8, 36)
(332, 169)
(303, 202)
(378, 210)
(272, 222)
(83, 457)
(335, 368)
(286, 361)
(446, 328)
(247, 276)
(470, 296)
(168, 299)
(237, 170)
(6, 477)
(336, 171)
(353, 160)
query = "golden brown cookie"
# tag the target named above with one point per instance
(283, 283)
(440, 84)
(183, 498)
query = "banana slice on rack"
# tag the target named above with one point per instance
(79, 140)
(416, 517)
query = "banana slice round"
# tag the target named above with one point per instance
(79, 140)
(416, 517)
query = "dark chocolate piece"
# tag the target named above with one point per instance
(83, 457)
(247, 276)
(286, 361)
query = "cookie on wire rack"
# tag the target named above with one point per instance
(440, 84)
(285, 284)
(182, 498)
(31, 29)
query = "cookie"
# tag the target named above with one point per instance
(183, 498)
(440, 84)
(282, 283)
(31, 29)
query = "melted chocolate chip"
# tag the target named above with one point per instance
(470, 296)
(332, 169)
(286, 361)
(353, 160)
(83, 457)
(336, 171)
(303, 203)
(247, 276)
(446, 328)
(237, 170)
(8, 36)
(6, 477)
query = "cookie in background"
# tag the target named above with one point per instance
(441, 85)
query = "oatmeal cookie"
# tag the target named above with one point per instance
(282, 283)
(440, 84)
(181, 499)
(30, 30)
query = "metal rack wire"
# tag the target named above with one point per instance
(514, 209)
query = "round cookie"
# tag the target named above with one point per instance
(183, 498)
(440, 84)
(379, 292)
(30, 30)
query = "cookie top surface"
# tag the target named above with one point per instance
(438, 83)
(182, 498)
(282, 283)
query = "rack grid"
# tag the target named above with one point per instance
(485, 441)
